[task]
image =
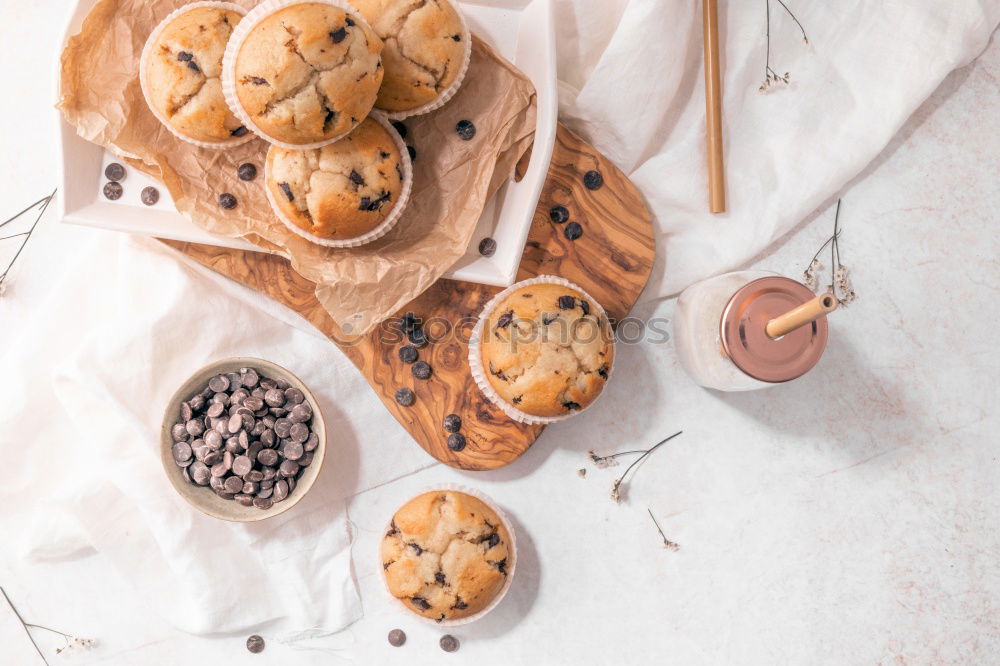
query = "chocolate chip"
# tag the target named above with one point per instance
(282, 427)
(457, 38)
(184, 56)
(412, 151)
(603, 372)
(288, 468)
(227, 201)
(193, 66)
(181, 452)
(239, 131)
(267, 457)
(397, 637)
(149, 196)
(585, 306)
(417, 338)
(287, 190)
(233, 484)
(114, 171)
(263, 503)
(449, 643)
(421, 370)
(405, 397)
(465, 130)
(493, 540)
(408, 354)
(558, 214)
(573, 231)
(593, 180)
(369, 204)
(247, 171)
(400, 128)
(409, 322)
(274, 397)
(459, 604)
(113, 191)
(256, 80)
(571, 405)
(505, 319)
(567, 302)
(439, 577)
(420, 603)
(356, 178)
(456, 441)
(300, 413)
(453, 423)
(338, 35)
(349, 21)
(548, 318)
(487, 247)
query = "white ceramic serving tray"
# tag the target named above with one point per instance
(507, 218)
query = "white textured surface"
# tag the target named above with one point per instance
(849, 518)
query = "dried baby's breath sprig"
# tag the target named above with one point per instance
(667, 543)
(601, 462)
(72, 643)
(616, 489)
(771, 77)
(26, 235)
(840, 282)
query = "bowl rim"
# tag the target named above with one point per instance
(268, 369)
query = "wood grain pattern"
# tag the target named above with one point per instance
(611, 260)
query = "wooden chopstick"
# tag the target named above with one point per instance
(713, 109)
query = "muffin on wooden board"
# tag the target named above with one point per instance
(447, 555)
(427, 48)
(546, 349)
(343, 190)
(181, 70)
(307, 73)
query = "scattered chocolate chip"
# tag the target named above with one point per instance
(492, 540)
(558, 214)
(412, 151)
(227, 201)
(487, 247)
(448, 643)
(192, 65)
(256, 80)
(416, 548)
(356, 178)
(349, 21)
(571, 405)
(420, 603)
(439, 577)
(287, 190)
(338, 35)
(246, 171)
(408, 354)
(501, 566)
(453, 423)
(113, 190)
(369, 204)
(567, 302)
(149, 195)
(456, 441)
(239, 131)
(184, 56)
(114, 171)
(405, 397)
(548, 318)
(400, 129)
(593, 180)
(505, 319)
(397, 637)
(603, 372)
(573, 231)
(457, 38)
(409, 322)
(417, 338)
(459, 604)
(255, 644)
(465, 130)
(421, 370)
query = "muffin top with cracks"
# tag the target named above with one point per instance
(308, 73)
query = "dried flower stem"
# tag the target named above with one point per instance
(615, 489)
(667, 543)
(771, 77)
(18, 614)
(45, 201)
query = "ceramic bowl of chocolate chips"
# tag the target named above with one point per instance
(242, 439)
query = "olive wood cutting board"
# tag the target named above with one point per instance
(611, 260)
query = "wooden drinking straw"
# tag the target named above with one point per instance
(713, 108)
(804, 314)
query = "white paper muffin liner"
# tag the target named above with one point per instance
(145, 86)
(383, 228)
(449, 92)
(511, 558)
(242, 31)
(476, 359)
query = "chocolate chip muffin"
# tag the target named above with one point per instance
(342, 190)
(426, 45)
(181, 77)
(447, 555)
(547, 350)
(308, 73)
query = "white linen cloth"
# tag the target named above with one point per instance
(631, 81)
(127, 347)
(102, 328)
